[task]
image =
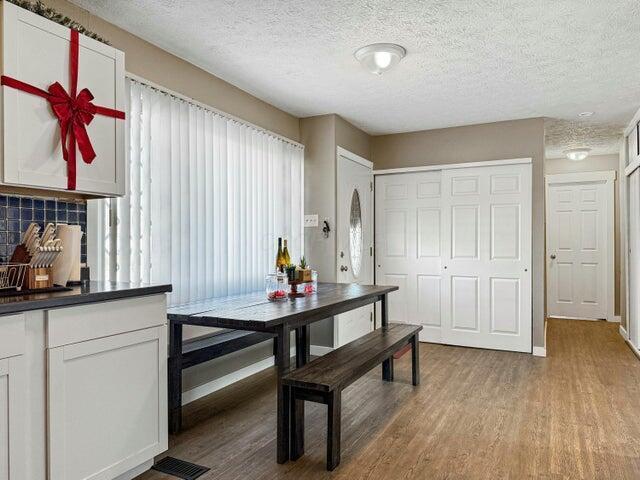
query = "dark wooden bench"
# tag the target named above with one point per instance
(323, 379)
(202, 349)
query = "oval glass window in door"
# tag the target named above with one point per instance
(355, 233)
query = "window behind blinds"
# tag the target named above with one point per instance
(208, 196)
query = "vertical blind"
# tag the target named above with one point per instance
(207, 198)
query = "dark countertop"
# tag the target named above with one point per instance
(94, 292)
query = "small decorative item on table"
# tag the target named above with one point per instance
(303, 272)
(276, 286)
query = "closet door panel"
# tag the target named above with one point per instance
(409, 248)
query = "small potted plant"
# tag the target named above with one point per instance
(303, 272)
(291, 272)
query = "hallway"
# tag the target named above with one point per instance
(478, 414)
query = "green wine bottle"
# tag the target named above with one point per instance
(280, 260)
(285, 253)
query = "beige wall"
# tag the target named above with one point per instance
(597, 163)
(352, 138)
(475, 143)
(320, 136)
(159, 66)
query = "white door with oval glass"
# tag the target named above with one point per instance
(354, 233)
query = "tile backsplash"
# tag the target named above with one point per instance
(17, 212)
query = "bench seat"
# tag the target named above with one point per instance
(323, 379)
(341, 367)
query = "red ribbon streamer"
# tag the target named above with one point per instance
(73, 110)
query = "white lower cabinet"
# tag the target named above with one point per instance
(107, 404)
(12, 418)
(83, 390)
(12, 397)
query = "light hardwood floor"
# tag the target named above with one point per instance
(478, 414)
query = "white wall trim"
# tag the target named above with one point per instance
(625, 335)
(608, 177)
(449, 166)
(578, 177)
(623, 332)
(632, 124)
(615, 319)
(542, 351)
(353, 157)
(629, 169)
(539, 351)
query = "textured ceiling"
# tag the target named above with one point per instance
(468, 61)
(561, 135)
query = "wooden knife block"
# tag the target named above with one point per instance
(39, 278)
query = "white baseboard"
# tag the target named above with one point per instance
(614, 319)
(134, 472)
(319, 350)
(540, 351)
(233, 377)
(625, 335)
(623, 332)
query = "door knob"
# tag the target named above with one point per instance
(553, 256)
(343, 268)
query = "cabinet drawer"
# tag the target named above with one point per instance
(12, 336)
(96, 320)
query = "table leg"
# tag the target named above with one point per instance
(302, 345)
(387, 365)
(175, 377)
(283, 360)
(297, 406)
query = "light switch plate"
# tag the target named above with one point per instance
(310, 221)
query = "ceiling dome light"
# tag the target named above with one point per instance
(577, 154)
(380, 57)
(586, 114)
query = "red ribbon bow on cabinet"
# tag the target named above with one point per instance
(73, 110)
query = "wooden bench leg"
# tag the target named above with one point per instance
(387, 370)
(415, 360)
(297, 426)
(333, 429)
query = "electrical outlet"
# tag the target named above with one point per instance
(310, 221)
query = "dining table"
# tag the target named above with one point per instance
(254, 312)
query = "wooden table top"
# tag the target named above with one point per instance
(253, 311)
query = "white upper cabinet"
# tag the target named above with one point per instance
(38, 52)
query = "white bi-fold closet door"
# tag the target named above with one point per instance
(458, 244)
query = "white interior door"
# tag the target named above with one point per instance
(354, 240)
(409, 248)
(579, 245)
(458, 244)
(487, 263)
